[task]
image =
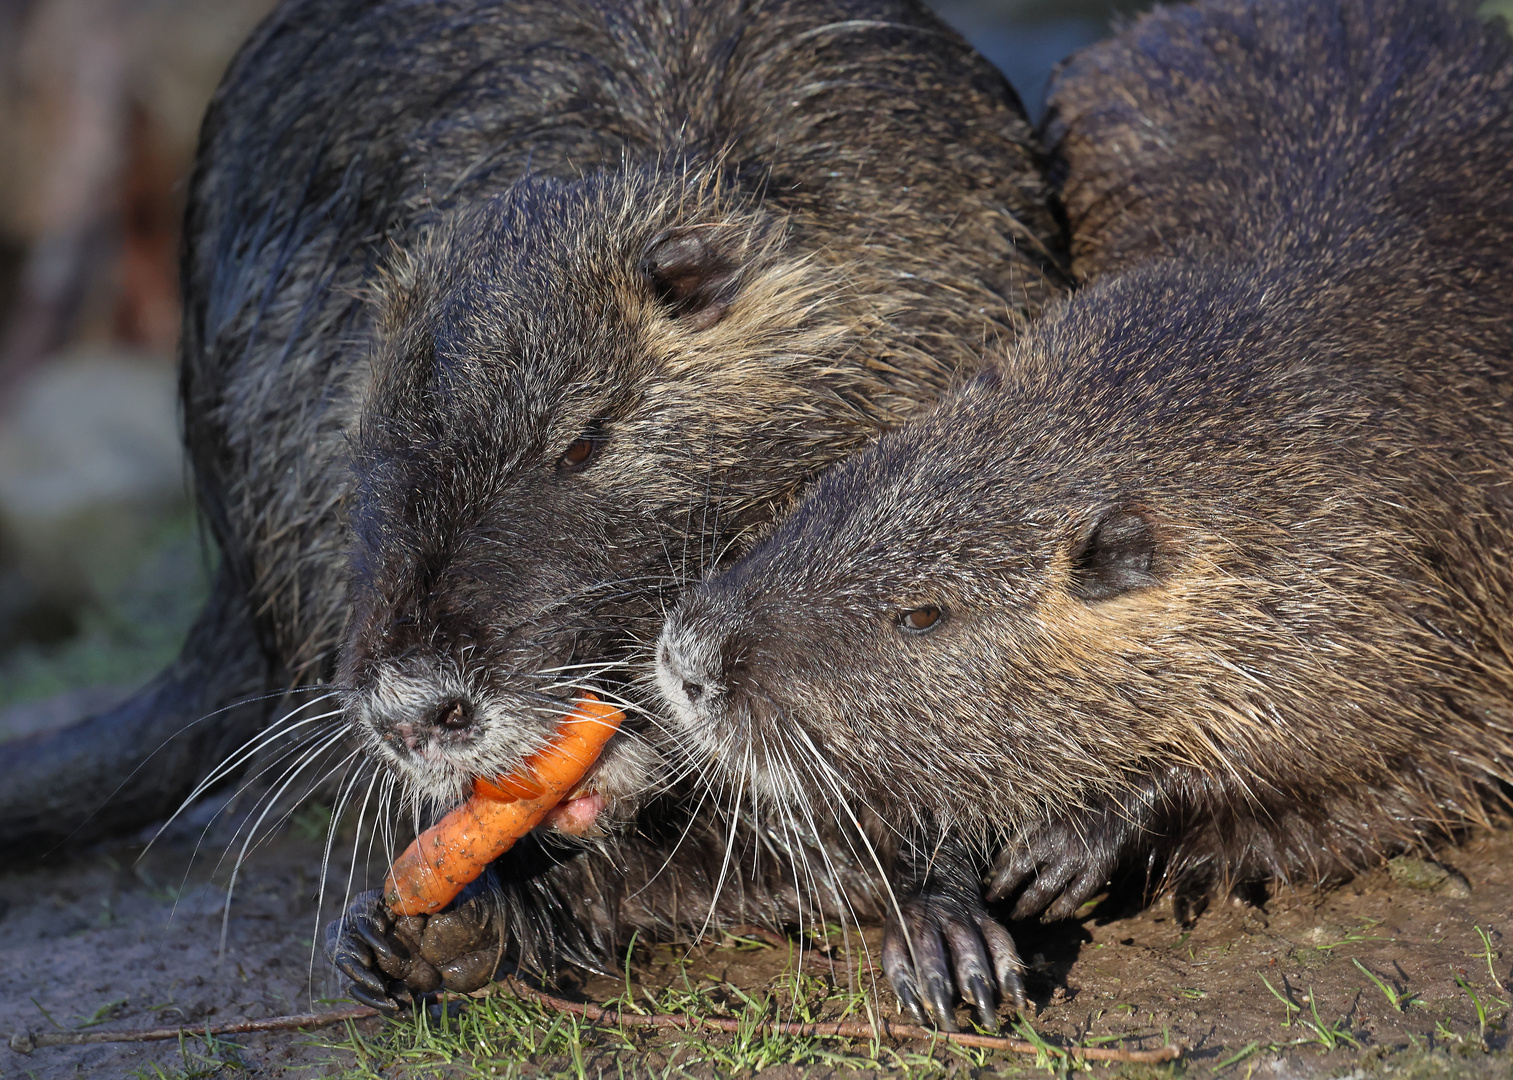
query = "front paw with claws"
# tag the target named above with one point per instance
(1058, 869)
(1070, 859)
(393, 960)
(947, 945)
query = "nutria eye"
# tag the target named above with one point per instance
(920, 619)
(577, 455)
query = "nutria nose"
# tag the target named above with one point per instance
(453, 715)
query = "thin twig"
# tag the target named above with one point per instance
(24, 1042)
(836, 1029)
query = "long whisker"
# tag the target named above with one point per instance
(293, 775)
(240, 755)
(350, 779)
(825, 773)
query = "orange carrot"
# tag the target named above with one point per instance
(457, 849)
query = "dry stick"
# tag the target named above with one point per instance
(25, 1042)
(836, 1029)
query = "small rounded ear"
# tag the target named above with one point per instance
(691, 275)
(1115, 556)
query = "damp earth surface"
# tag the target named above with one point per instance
(1404, 971)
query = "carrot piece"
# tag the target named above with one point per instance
(441, 861)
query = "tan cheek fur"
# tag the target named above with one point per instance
(1162, 640)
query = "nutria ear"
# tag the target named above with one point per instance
(691, 275)
(1114, 557)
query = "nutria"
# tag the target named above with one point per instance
(504, 319)
(1208, 577)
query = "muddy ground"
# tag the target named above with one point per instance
(112, 939)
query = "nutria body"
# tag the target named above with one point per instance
(505, 319)
(1208, 578)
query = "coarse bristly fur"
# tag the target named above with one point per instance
(503, 320)
(1209, 580)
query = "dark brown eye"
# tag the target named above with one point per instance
(576, 456)
(920, 619)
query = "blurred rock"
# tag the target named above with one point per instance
(90, 466)
(92, 427)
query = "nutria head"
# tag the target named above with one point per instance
(584, 392)
(1207, 516)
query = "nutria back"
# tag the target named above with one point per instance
(1207, 577)
(1211, 126)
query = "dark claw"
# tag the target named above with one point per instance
(1069, 859)
(356, 945)
(419, 955)
(352, 959)
(900, 972)
(1087, 885)
(972, 972)
(1008, 969)
(1013, 866)
(384, 954)
(957, 947)
(934, 975)
(1047, 886)
(362, 976)
(381, 1001)
(977, 992)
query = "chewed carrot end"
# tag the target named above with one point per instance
(447, 857)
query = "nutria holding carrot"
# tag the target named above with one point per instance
(504, 320)
(455, 852)
(1208, 579)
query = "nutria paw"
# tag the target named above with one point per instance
(1066, 862)
(982, 964)
(391, 961)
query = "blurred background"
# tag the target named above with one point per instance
(101, 568)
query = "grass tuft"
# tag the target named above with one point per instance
(1399, 1001)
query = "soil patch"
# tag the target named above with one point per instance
(1404, 971)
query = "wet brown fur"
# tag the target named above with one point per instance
(1222, 545)
(431, 248)
(875, 209)
(713, 114)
